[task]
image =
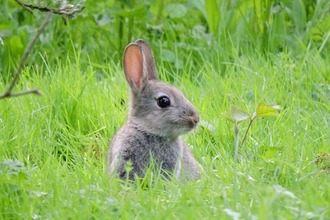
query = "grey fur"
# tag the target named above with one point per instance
(151, 131)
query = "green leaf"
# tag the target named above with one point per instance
(140, 10)
(168, 55)
(200, 5)
(269, 152)
(176, 10)
(213, 15)
(299, 15)
(14, 164)
(1, 41)
(101, 19)
(9, 187)
(239, 115)
(278, 31)
(16, 45)
(14, 168)
(276, 9)
(267, 110)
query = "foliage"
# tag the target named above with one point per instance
(63, 136)
(103, 28)
(53, 148)
(277, 24)
(237, 115)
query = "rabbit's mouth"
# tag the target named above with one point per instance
(190, 124)
(192, 121)
(187, 124)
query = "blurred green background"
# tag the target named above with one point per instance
(180, 32)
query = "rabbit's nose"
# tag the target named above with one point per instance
(195, 118)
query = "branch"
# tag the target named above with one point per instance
(68, 9)
(35, 91)
(9, 93)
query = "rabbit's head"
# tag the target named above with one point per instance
(155, 107)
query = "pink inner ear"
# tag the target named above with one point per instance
(133, 65)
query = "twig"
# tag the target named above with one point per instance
(26, 8)
(9, 93)
(68, 10)
(35, 91)
(247, 130)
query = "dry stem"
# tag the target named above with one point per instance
(9, 93)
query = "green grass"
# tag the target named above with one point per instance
(62, 138)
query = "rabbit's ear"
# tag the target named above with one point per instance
(149, 59)
(133, 66)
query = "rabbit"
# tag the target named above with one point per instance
(158, 114)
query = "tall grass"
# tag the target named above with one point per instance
(62, 139)
(53, 148)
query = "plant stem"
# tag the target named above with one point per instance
(35, 91)
(247, 130)
(236, 145)
(121, 29)
(8, 93)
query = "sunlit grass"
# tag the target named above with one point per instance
(62, 138)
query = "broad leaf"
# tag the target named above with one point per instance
(200, 5)
(269, 152)
(168, 55)
(238, 114)
(267, 110)
(213, 15)
(176, 10)
(139, 10)
(299, 15)
(280, 190)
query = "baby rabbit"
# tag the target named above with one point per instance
(158, 114)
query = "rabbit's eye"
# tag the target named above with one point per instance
(163, 102)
